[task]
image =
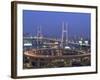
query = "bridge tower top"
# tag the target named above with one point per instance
(39, 32)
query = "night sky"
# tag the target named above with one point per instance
(51, 23)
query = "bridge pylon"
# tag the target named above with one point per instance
(64, 36)
(39, 36)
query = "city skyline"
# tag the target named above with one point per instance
(51, 23)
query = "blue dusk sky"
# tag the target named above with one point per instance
(79, 24)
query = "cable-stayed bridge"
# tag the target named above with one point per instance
(47, 55)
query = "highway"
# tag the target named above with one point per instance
(33, 55)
